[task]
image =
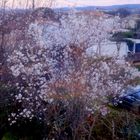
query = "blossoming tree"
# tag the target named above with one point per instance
(55, 76)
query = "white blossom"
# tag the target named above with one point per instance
(55, 66)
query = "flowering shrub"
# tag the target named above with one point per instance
(58, 82)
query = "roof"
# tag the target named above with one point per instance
(133, 40)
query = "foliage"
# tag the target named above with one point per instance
(138, 25)
(7, 105)
(120, 36)
(117, 125)
(9, 136)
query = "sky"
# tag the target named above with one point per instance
(70, 3)
(104, 2)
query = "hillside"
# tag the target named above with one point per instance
(131, 7)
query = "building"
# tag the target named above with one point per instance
(133, 50)
(109, 49)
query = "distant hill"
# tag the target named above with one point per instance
(113, 7)
(132, 7)
(106, 8)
